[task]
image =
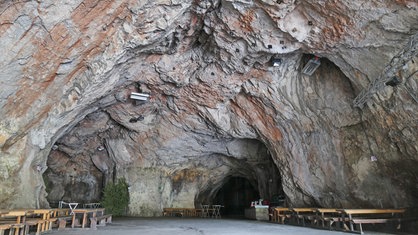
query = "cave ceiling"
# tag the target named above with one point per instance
(227, 99)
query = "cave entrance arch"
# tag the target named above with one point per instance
(235, 195)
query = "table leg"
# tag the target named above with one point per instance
(17, 229)
(73, 221)
(84, 220)
(351, 223)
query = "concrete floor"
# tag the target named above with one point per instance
(197, 226)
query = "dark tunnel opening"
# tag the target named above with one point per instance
(236, 195)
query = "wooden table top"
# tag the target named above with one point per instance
(304, 209)
(12, 213)
(372, 211)
(327, 210)
(84, 210)
(282, 209)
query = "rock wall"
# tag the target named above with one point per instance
(218, 107)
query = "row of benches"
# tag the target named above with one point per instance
(206, 212)
(340, 219)
(20, 221)
(182, 212)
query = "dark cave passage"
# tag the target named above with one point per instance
(236, 195)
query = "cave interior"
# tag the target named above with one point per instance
(301, 103)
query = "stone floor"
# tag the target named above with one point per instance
(189, 226)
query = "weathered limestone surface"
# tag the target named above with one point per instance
(218, 107)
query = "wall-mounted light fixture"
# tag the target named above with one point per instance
(275, 61)
(311, 66)
(139, 96)
(100, 148)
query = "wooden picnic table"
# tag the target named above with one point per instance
(370, 216)
(330, 215)
(304, 215)
(61, 216)
(13, 221)
(281, 213)
(186, 212)
(85, 213)
(41, 218)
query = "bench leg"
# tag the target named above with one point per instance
(61, 224)
(39, 229)
(109, 220)
(26, 229)
(351, 226)
(14, 230)
(102, 222)
(93, 223)
(330, 224)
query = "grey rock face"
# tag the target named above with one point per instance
(218, 108)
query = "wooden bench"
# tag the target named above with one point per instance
(102, 219)
(62, 221)
(38, 222)
(12, 227)
(371, 216)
